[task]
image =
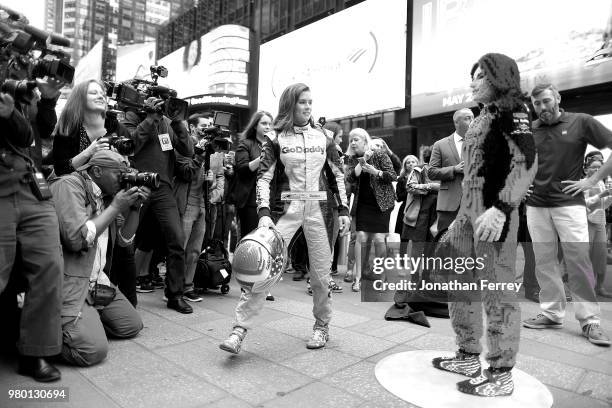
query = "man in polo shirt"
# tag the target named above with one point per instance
(556, 207)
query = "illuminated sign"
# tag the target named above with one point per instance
(560, 41)
(216, 63)
(218, 100)
(354, 61)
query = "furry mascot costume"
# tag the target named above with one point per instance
(500, 164)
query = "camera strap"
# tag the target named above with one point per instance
(89, 196)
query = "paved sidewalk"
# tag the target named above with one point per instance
(175, 361)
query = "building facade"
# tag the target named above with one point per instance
(85, 22)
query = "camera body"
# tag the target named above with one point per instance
(219, 131)
(145, 179)
(25, 55)
(124, 145)
(131, 95)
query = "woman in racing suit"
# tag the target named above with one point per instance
(302, 170)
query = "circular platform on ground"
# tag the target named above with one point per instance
(411, 377)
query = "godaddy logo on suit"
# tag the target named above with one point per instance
(300, 149)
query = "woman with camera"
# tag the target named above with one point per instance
(372, 173)
(82, 127)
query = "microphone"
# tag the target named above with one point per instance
(52, 38)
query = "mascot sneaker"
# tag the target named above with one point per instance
(488, 384)
(462, 363)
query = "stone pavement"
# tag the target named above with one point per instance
(175, 361)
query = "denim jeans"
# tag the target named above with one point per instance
(599, 251)
(194, 228)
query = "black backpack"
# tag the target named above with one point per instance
(214, 268)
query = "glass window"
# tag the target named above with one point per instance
(388, 119)
(373, 121)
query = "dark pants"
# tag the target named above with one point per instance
(163, 206)
(298, 252)
(32, 226)
(223, 225)
(123, 272)
(248, 219)
(336, 252)
(445, 218)
(530, 283)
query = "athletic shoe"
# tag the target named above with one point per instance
(541, 322)
(158, 282)
(488, 384)
(269, 297)
(462, 363)
(144, 285)
(233, 343)
(192, 296)
(318, 340)
(334, 286)
(593, 332)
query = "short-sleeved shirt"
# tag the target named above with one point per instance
(561, 148)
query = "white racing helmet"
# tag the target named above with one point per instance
(260, 259)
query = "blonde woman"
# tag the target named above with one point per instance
(372, 174)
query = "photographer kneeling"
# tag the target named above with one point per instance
(91, 304)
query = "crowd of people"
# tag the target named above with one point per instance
(83, 243)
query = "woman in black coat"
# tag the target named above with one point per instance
(247, 164)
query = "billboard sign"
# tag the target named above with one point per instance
(216, 64)
(559, 41)
(134, 61)
(354, 61)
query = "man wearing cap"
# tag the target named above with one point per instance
(88, 202)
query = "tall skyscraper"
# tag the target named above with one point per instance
(85, 22)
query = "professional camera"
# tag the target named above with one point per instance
(124, 145)
(146, 179)
(131, 94)
(25, 56)
(216, 133)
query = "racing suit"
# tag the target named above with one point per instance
(296, 167)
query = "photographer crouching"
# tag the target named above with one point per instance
(156, 137)
(92, 305)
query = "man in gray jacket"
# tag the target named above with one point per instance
(446, 166)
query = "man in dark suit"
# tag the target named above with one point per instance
(446, 166)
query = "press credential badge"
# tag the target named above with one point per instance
(165, 142)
